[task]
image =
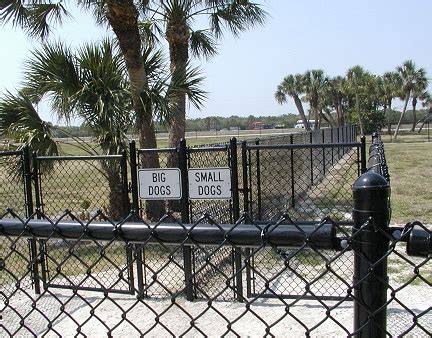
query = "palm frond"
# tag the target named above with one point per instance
(202, 43)
(20, 121)
(34, 18)
(52, 71)
(237, 16)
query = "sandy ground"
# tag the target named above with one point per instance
(94, 315)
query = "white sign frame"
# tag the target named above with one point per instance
(173, 180)
(227, 187)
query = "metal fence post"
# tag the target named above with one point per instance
(311, 159)
(246, 209)
(187, 249)
(323, 151)
(371, 215)
(29, 210)
(292, 173)
(134, 178)
(363, 154)
(258, 178)
(126, 210)
(135, 214)
(236, 216)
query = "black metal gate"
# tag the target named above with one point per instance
(88, 188)
(192, 270)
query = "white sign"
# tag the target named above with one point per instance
(209, 183)
(159, 184)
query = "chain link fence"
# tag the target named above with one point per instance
(406, 305)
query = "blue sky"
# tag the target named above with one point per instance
(299, 35)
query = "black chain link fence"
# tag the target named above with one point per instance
(12, 182)
(79, 311)
(302, 274)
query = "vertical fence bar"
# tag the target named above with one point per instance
(311, 159)
(245, 190)
(36, 178)
(29, 211)
(135, 212)
(332, 148)
(245, 176)
(126, 210)
(258, 177)
(323, 151)
(363, 154)
(134, 177)
(292, 172)
(371, 217)
(236, 216)
(185, 216)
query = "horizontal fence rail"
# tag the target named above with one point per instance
(321, 236)
(158, 301)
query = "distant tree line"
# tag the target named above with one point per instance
(359, 97)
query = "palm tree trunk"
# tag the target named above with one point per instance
(401, 116)
(177, 34)
(425, 119)
(122, 16)
(414, 104)
(300, 109)
(330, 119)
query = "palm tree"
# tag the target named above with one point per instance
(389, 87)
(336, 98)
(315, 83)
(178, 17)
(122, 15)
(410, 75)
(92, 85)
(418, 92)
(356, 82)
(292, 85)
(427, 102)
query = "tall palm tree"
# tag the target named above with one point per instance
(336, 98)
(292, 85)
(356, 83)
(389, 88)
(426, 102)
(176, 18)
(410, 75)
(418, 93)
(92, 85)
(315, 83)
(122, 15)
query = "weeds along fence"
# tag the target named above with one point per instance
(387, 294)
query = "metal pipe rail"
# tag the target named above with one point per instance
(320, 236)
(304, 146)
(377, 162)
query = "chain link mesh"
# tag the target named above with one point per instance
(161, 309)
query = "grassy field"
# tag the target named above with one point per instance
(411, 181)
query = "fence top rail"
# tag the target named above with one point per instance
(205, 149)
(11, 152)
(303, 145)
(78, 157)
(321, 235)
(157, 150)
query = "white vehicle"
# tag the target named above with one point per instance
(299, 124)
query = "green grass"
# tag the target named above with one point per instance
(411, 172)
